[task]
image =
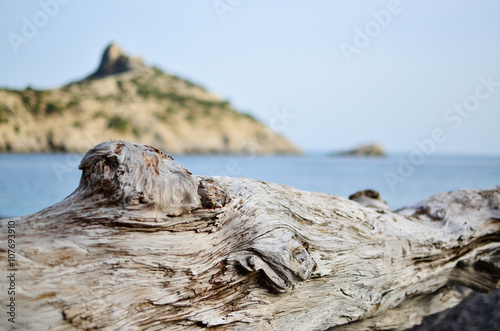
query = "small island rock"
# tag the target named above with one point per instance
(363, 150)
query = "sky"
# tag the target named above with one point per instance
(414, 76)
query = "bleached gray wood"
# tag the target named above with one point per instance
(142, 244)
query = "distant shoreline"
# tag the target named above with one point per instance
(304, 154)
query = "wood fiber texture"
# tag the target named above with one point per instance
(143, 244)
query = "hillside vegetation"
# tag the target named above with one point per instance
(124, 99)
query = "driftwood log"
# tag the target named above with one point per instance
(143, 244)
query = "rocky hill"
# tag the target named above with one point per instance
(363, 150)
(125, 99)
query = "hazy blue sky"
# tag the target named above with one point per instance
(348, 72)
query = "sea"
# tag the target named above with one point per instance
(32, 182)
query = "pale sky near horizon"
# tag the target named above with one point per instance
(393, 72)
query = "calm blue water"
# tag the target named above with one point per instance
(31, 182)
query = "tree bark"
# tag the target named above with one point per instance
(142, 244)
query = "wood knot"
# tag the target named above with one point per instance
(212, 196)
(132, 174)
(281, 258)
(371, 199)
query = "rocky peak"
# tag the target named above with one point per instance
(114, 61)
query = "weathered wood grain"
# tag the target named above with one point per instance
(142, 244)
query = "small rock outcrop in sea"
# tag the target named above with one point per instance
(114, 61)
(363, 150)
(126, 99)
